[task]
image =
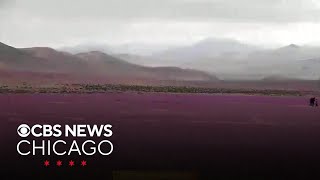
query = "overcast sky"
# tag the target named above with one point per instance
(57, 23)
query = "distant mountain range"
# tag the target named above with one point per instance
(129, 48)
(229, 59)
(37, 62)
(226, 58)
(207, 48)
(233, 60)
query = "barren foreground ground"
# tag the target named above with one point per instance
(206, 134)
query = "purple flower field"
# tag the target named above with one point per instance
(181, 131)
(159, 108)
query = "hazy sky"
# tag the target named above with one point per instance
(168, 22)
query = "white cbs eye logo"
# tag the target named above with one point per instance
(23, 130)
